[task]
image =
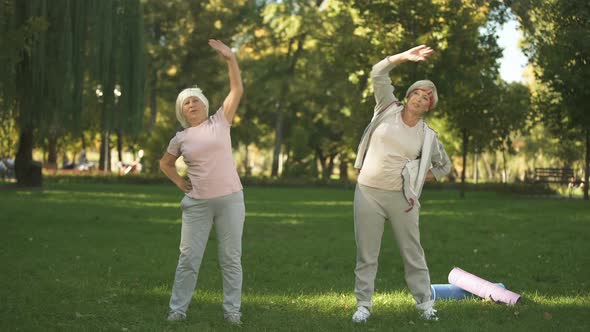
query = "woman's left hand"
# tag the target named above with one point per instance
(221, 48)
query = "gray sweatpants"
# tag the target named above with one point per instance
(227, 213)
(372, 207)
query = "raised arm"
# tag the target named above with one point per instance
(236, 90)
(380, 74)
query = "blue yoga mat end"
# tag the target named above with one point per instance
(452, 292)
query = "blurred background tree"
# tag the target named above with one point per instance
(102, 76)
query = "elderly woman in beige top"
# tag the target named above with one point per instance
(397, 153)
(213, 192)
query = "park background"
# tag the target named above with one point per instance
(305, 66)
(93, 246)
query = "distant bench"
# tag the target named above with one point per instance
(553, 175)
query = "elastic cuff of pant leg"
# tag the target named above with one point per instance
(177, 312)
(227, 314)
(425, 305)
(366, 304)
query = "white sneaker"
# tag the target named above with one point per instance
(175, 316)
(430, 314)
(361, 315)
(234, 319)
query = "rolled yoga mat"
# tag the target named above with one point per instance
(451, 292)
(482, 288)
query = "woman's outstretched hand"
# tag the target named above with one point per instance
(221, 48)
(418, 53)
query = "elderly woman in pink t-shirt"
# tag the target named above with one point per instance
(213, 192)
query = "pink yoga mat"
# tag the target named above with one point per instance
(482, 288)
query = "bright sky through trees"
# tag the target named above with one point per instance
(514, 61)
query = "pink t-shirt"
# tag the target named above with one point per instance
(207, 152)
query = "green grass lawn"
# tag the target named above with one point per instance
(97, 257)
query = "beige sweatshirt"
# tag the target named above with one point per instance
(393, 144)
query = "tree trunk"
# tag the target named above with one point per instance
(278, 142)
(587, 165)
(27, 172)
(282, 104)
(247, 170)
(504, 173)
(314, 167)
(52, 151)
(119, 146)
(157, 31)
(496, 166)
(105, 152)
(343, 169)
(153, 108)
(322, 161)
(488, 168)
(329, 169)
(475, 168)
(465, 142)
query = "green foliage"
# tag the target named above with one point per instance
(45, 71)
(508, 115)
(468, 92)
(154, 143)
(298, 164)
(558, 45)
(446, 134)
(299, 142)
(554, 151)
(15, 42)
(45, 59)
(8, 136)
(118, 62)
(58, 53)
(305, 66)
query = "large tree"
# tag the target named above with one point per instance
(468, 70)
(274, 45)
(558, 46)
(82, 44)
(15, 40)
(509, 115)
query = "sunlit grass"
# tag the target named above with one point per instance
(102, 257)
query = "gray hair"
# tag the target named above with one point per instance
(425, 85)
